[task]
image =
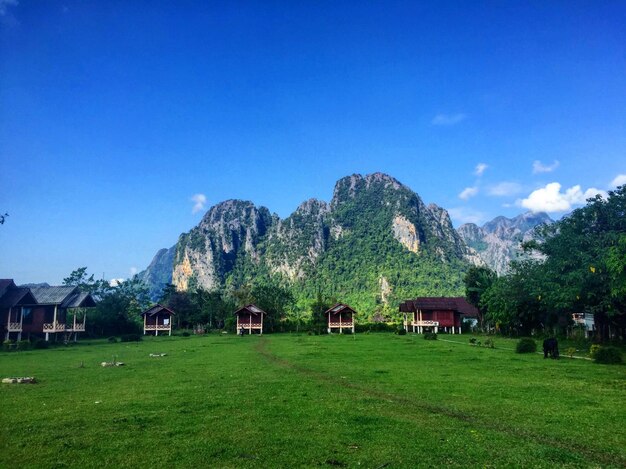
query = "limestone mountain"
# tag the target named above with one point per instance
(498, 242)
(374, 244)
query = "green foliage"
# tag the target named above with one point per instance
(473, 340)
(593, 350)
(570, 351)
(526, 345)
(401, 331)
(112, 340)
(8, 345)
(489, 343)
(477, 281)
(430, 336)
(608, 355)
(131, 338)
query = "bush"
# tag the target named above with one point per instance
(41, 344)
(23, 345)
(430, 336)
(489, 343)
(186, 334)
(8, 345)
(525, 345)
(473, 341)
(401, 331)
(608, 355)
(130, 338)
(570, 351)
(376, 327)
(112, 340)
(594, 350)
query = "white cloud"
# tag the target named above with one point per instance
(4, 4)
(466, 215)
(199, 201)
(504, 189)
(551, 199)
(114, 282)
(468, 192)
(619, 180)
(448, 119)
(480, 169)
(539, 167)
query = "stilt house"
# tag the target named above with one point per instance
(157, 318)
(14, 303)
(435, 314)
(250, 319)
(340, 317)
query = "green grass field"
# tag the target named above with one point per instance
(377, 400)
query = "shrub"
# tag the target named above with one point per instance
(130, 337)
(430, 336)
(473, 341)
(525, 345)
(8, 345)
(186, 334)
(608, 355)
(23, 345)
(489, 343)
(401, 331)
(41, 344)
(112, 340)
(570, 351)
(594, 350)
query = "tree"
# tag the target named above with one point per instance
(477, 282)
(584, 261)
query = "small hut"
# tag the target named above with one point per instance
(157, 318)
(249, 319)
(340, 317)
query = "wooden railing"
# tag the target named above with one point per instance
(157, 327)
(15, 327)
(340, 324)
(54, 327)
(424, 323)
(76, 328)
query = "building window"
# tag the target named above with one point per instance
(27, 316)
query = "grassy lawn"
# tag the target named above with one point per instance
(376, 400)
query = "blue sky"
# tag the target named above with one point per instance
(114, 115)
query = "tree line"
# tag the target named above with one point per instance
(578, 265)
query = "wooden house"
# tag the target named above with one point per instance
(436, 314)
(157, 318)
(53, 308)
(249, 319)
(340, 317)
(14, 303)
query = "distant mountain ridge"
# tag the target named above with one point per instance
(498, 241)
(374, 244)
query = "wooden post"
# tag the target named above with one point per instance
(250, 324)
(237, 330)
(144, 324)
(261, 332)
(340, 325)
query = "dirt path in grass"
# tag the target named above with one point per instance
(407, 404)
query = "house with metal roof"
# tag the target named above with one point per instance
(53, 308)
(157, 318)
(436, 314)
(340, 318)
(250, 319)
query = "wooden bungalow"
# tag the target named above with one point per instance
(52, 309)
(157, 318)
(340, 317)
(249, 319)
(14, 303)
(436, 314)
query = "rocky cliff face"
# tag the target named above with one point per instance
(374, 243)
(498, 242)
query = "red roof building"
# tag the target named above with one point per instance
(436, 314)
(340, 318)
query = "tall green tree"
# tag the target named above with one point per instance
(477, 281)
